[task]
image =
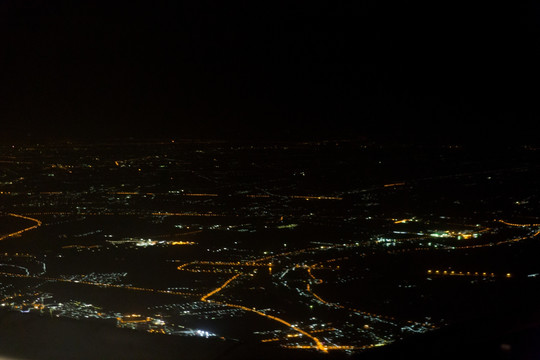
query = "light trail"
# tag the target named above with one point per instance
(223, 263)
(184, 214)
(16, 233)
(465, 273)
(231, 263)
(519, 225)
(219, 288)
(459, 273)
(300, 251)
(499, 242)
(402, 221)
(133, 319)
(184, 265)
(318, 344)
(308, 288)
(311, 275)
(335, 347)
(315, 197)
(104, 285)
(322, 330)
(270, 340)
(502, 242)
(181, 243)
(304, 197)
(67, 213)
(394, 184)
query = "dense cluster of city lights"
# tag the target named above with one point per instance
(265, 262)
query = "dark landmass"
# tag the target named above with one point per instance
(379, 251)
(514, 335)
(510, 335)
(34, 337)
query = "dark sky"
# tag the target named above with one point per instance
(313, 69)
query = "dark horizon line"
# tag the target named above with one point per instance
(389, 141)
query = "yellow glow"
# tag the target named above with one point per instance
(219, 288)
(184, 214)
(269, 340)
(520, 225)
(318, 344)
(460, 273)
(38, 223)
(401, 221)
(395, 184)
(182, 243)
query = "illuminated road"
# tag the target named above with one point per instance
(266, 261)
(219, 288)
(302, 251)
(497, 243)
(66, 213)
(36, 221)
(303, 197)
(103, 285)
(464, 247)
(221, 263)
(203, 195)
(465, 273)
(263, 261)
(317, 342)
(383, 318)
(319, 281)
(518, 225)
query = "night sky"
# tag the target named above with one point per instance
(258, 71)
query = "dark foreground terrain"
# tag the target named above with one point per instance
(29, 337)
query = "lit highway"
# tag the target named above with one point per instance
(284, 247)
(466, 273)
(104, 285)
(220, 266)
(318, 344)
(18, 233)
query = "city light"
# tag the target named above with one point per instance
(282, 247)
(17, 233)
